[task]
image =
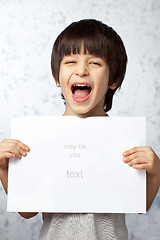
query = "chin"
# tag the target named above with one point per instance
(81, 111)
(85, 112)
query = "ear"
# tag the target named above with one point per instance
(57, 83)
(113, 86)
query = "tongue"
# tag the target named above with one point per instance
(81, 93)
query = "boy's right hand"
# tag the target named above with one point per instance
(10, 148)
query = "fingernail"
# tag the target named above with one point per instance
(124, 153)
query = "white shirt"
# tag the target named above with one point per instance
(83, 226)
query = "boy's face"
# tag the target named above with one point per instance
(84, 83)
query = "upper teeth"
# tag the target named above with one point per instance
(80, 85)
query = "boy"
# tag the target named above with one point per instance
(88, 62)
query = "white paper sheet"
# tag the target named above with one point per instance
(75, 165)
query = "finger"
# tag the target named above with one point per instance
(19, 152)
(134, 150)
(23, 153)
(5, 155)
(139, 160)
(16, 152)
(22, 145)
(15, 149)
(10, 155)
(141, 166)
(133, 156)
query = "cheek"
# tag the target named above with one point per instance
(60, 75)
(103, 84)
(62, 79)
(64, 84)
(65, 76)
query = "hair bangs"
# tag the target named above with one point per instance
(90, 42)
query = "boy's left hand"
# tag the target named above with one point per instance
(143, 158)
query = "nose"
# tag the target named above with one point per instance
(81, 70)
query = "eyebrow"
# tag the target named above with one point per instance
(76, 55)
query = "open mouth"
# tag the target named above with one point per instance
(81, 92)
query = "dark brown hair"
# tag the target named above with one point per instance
(98, 39)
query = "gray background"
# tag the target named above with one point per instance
(27, 32)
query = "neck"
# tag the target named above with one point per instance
(91, 113)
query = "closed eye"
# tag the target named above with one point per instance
(96, 63)
(70, 62)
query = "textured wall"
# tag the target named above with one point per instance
(27, 32)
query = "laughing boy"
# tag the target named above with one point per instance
(89, 63)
